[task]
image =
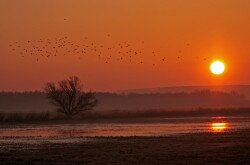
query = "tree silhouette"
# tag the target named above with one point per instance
(69, 98)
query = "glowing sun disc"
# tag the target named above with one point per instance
(217, 67)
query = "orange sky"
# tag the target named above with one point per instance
(212, 28)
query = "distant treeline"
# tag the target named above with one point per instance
(23, 102)
(37, 101)
(205, 99)
(128, 116)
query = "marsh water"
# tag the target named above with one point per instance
(140, 127)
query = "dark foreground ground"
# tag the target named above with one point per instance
(202, 148)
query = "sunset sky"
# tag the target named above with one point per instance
(185, 36)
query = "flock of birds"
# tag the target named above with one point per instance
(41, 49)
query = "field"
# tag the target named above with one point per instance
(230, 147)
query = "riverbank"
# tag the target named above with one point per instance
(197, 148)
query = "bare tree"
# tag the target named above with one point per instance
(69, 98)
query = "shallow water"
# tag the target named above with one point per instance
(154, 127)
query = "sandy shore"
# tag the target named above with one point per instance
(199, 148)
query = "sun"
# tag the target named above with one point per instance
(217, 67)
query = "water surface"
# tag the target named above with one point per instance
(153, 127)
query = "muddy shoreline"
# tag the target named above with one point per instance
(196, 148)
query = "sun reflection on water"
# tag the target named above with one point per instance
(219, 127)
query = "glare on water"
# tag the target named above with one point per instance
(219, 127)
